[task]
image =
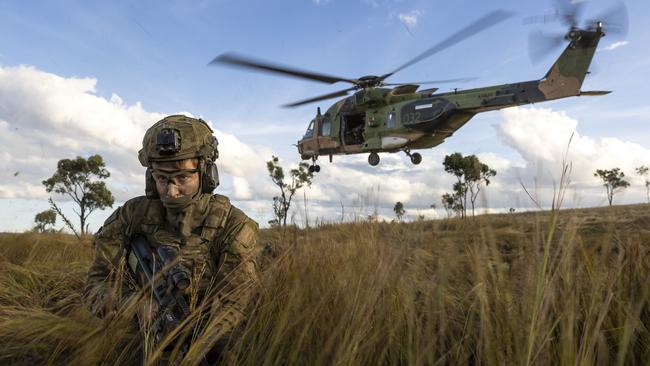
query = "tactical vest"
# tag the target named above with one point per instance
(201, 251)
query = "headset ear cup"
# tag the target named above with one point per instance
(150, 185)
(210, 178)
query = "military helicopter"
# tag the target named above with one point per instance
(377, 118)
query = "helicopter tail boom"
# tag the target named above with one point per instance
(567, 74)
(564, 79)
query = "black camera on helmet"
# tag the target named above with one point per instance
(168, 141)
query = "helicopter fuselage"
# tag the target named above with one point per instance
(378, 119)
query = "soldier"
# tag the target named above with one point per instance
(216, 242)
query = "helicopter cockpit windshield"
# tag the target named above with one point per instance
(310, 130)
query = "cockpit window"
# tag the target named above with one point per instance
(310, 130)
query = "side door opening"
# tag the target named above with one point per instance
(354, 125)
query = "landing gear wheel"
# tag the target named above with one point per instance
(314, 168)
(373, 159)
(416, 158)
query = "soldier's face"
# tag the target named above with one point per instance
(176, 178)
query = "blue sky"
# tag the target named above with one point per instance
(141, 60)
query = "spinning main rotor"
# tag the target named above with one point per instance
(368, 81)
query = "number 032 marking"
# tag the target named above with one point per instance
(410, 117)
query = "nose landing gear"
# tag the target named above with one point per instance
(314, 168)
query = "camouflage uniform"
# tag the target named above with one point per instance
(216, 242)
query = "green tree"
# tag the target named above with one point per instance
(452, 203)
(399, 210)
(613, 181)
(471, 174)
(79, 179)
(43, 219)
(643, 172)
(299, 177)
(278, 212)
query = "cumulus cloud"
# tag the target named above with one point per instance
(45, 117)
(350, 189)
(410, 19)
(541, 136)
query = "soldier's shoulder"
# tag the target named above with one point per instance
(130, 209)
(125, 213)
(139, 206)
(135, 202)
(234, 217)
(220, 200)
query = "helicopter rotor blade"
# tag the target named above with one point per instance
(542, 19)
(614, 20)
(339, 93)
(566, 11)
(569, 12)
(249, 63)
(481, 24)
(541, 44)
(445, 81)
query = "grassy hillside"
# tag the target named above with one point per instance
(534, 288)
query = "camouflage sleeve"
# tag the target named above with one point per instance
(237, 275)
(105, 286)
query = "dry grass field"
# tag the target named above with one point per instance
(544, 288)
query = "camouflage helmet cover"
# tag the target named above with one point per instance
(178, 137)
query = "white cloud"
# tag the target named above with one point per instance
(410, 19)
(45, 117)
(615, 45)
(541, 136)
(241, 188)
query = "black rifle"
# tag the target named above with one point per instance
(161, 272)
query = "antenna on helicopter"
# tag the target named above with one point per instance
(318, 111)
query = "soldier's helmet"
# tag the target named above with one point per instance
(178, 137)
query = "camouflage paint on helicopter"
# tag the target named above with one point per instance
(379, 119)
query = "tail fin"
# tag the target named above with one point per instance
(565, 77)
